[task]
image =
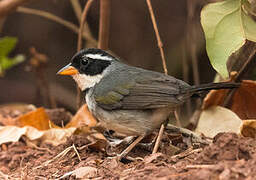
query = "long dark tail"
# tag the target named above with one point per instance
(195, 90)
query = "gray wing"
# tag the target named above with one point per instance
(138, 90)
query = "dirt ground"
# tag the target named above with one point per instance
(228, 157)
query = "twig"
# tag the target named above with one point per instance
(192, 41)
(39, 63)
(7, 6)
(159, 42)
(186, 153)
(60, 155)
(191, 45)
(74, 147)
(86, 35)
(83, 19)
(195, 138)
(158, 140)
(199, 166)
(104, 24)
(160, 46)
(185, 71)
(79, 44)
(77, 9)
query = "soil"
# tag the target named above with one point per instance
(229, 156)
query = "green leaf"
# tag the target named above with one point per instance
(7, 63)
(226, 26)
(7, 44)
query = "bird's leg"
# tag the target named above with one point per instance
(177, 116)
(116, 142)
(130, 147)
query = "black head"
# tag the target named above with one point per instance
(91, 61)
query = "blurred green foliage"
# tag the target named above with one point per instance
(7, 44)
(227, 25)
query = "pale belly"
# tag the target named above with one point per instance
(132, 122)
(129, 122)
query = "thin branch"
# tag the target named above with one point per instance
(194, 137)
(158, 140)
(192, 41)
(83, 19)
(104, 24)
(8, 6)
(77, 9)
(58, 20)
(79, 44)
(160, 46)
(185, 71)
(159, 42)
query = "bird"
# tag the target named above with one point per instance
(129, 100)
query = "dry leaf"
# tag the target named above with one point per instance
(8, 113)
(37, 118)
(84, 120)
(8, 121)
(243, 101)
(53, 136)
(83, 117)
(85, 172)
(218, 119)
(248, 128)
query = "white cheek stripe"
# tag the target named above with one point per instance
(98, 56)
(85, 81)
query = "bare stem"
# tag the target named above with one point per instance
(77, 9)
(83, 19)
(160, 46)
(158, 140)
(79, 43)
(58, 20)
(191, 40)
(159, 42)
(104, 24)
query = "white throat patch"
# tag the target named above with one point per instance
(98, 56)
(85, 81)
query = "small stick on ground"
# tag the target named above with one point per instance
(195, 138)
(74, 147)
(159, 137)
(130, 147)
(60, 155)
(186, 153)
(200, 166)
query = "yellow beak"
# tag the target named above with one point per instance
(68, 70)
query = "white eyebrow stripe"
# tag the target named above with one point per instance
(98, 56)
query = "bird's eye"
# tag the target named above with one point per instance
(84, 62)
